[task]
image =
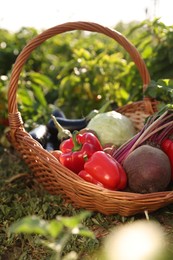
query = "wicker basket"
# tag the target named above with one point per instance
(57, 179)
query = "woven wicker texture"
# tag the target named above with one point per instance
(54, 177)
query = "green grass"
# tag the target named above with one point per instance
(21, 196)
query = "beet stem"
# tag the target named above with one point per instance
(161, 121)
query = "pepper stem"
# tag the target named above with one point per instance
(77, 146)
(85, 157)
(62, 133)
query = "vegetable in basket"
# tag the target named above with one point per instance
(52, 143)
(40, 134)
(54, 140)
(62, 133)
(57, 112)
(157, 128)
(148, 169)
(112, 128)
(74, 124)
(101, 169)
(77, 149)
(70, 124)
(167, 147)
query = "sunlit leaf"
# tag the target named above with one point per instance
(39, 95)
(72, 222)
(54, 228)
(41, 80)
(29, 225)
(86, 233)
(25, 97)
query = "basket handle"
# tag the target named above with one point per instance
(70, 26)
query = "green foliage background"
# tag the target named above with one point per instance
(78, 71)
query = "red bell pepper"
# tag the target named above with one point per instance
(167, 147)
(102, 169)
(77, 149)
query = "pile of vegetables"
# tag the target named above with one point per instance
(105, 150)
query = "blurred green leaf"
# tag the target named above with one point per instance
(39, 95)
(25, 97)
(41, 80)
(30, 225)
(54, 228)
(74, 221)
(84, 232)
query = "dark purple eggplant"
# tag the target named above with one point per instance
(58, 113)
(70, 124)
(74, 124)
(52, 143)
(40, 134)
(55, 140)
